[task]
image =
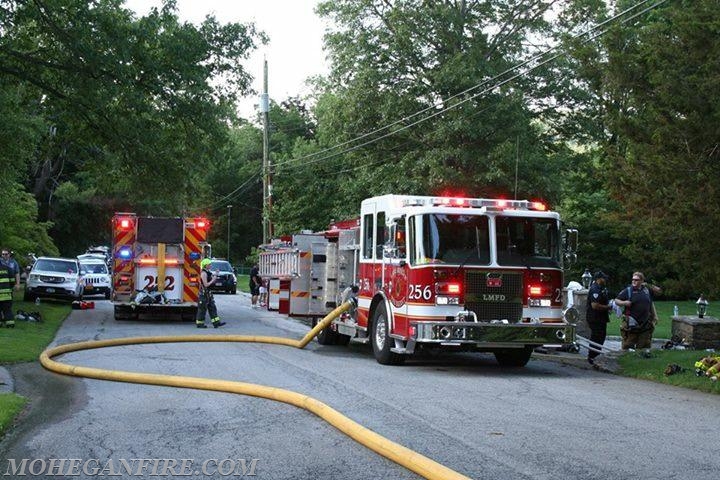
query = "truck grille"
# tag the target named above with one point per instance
(494, 295)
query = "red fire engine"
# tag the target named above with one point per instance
(156, 265)
(431, 272)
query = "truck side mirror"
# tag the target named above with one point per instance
(571, 240)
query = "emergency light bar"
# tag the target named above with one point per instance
(500, 204)
(125, 253)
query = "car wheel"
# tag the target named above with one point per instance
(107, 295)
(380, 339)
(28, 297)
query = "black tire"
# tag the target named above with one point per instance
(326, 336)
(341, 339)
(107, 295)
(380, 339)
(28, 297)
(234, 291)
(514, 358)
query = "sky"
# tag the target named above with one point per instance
(294, 51)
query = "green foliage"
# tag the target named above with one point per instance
(391, 61)
(21, 231)
(655, 88)
(135, 107)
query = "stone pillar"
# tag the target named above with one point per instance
(698, 332)
(580, 303)
(578, 299)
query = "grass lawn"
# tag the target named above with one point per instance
(636, 365)
(243, 283)
(24, 343)
(10, 406)
(27, 340)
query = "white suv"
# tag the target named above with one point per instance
(95, 276)
(54, 278)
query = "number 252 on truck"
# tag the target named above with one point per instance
(157, 258)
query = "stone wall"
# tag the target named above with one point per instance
(698, 332)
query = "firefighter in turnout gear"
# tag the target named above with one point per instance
(9, 278)
(207, 301)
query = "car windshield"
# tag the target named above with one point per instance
(527, 242)
(460, 239)
(222, 266)
(93, 268)
(58, 266)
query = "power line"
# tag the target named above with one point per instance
(292, 163)
(475, 87)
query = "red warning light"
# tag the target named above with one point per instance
(539, 206)
(202, 223)
(125, 224)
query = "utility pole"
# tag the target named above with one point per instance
(228, 244)
(267, 168)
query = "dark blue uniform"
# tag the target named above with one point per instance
(597, 319)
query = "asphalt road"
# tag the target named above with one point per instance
(544, 421)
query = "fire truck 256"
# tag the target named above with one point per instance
(452, 273)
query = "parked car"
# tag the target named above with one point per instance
(95, 275)
(54, 278)
(226, 281)
(102, 251)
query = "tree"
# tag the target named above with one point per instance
(655, 84)
(134, 105)
(400, 102)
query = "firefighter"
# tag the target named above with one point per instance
(9, 278)
(207, 301)
(598, 312)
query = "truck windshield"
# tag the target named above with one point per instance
(457, 239)
(528, 242)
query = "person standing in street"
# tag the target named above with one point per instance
(9, 279)
(255, 282)
(640, 317)
(598, 312)
(206, 303)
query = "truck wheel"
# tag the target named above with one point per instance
(381, 341)
(28, 297)
(107, 295)
(513, 358)
(342, 339)
(326, 336)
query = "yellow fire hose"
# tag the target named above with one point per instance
(409, 459)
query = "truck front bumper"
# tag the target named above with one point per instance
(489, 336)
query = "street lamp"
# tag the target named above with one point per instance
(228, 243)
(586, 279)
(702, 305)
